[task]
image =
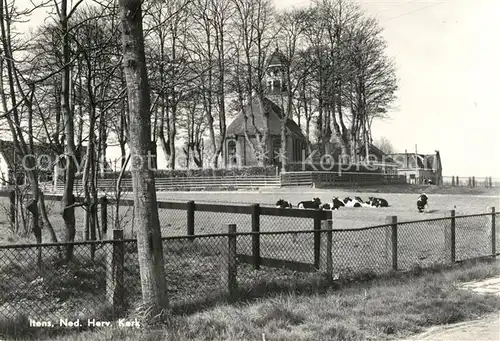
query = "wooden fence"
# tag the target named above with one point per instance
(320, 179)
(255, 211)
(193, 183)
(288, 179)
(471, 181)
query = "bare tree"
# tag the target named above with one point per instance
(384, 144)
(253, 25)
(355, 79)
(372, 82)
(292, 28)
(68, 200)
(149, 244)
(170, 27)
(15, 100)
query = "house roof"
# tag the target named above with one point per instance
(13, 157)
(256, 108)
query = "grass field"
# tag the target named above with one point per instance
(380, 309)
(419, 243)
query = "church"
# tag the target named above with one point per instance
(239, 149)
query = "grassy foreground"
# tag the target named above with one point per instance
(380, 309)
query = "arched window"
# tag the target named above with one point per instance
(276, 151)
(231, 152)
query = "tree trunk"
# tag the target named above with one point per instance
(68, 210)
(149, 244)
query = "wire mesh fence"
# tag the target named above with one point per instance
(361, 251)
(37, 284)
(270, 250)
(423, 243)
(473, 236)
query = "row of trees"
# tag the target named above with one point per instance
(207, 58)
(80, 81)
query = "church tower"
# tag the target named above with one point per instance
(275, 79)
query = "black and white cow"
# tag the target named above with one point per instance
(283, 204)
(422, 202)
(363, 204)
(378, 202)
(315, 204)
(334, 205)
(351, 203)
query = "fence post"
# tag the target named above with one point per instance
(473, 181)
(190, 218)
(12, 206)
(491, 182)
(328, 226)
(453, 181)
(458, 181)
(493, 233)
(229, 267)
(255, 209)
(104, 216)
(55, 176)
(318, 218)
(394, 242)
(114, 276)
(450, 238)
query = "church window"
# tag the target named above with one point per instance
(276, 150)
(231, 152)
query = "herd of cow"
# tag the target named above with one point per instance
(347, 202)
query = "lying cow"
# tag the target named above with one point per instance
(283, 204)
(422, 202)
(363, 204)
(315, 204)
(378, 202)
(334, 205)
(351, 203)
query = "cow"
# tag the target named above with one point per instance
(315, 204)
(334, 205)
(363, 204)
(283, 204)
(378, 202)
(351, 203)
(422, 202)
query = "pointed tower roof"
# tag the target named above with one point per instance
(277, 58)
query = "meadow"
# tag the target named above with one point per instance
(356, 245)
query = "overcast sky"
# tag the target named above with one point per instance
(447, 59)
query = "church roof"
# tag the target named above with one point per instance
(237, 126)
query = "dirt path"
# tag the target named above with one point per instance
(484, 329)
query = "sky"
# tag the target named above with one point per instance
(447, 63)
